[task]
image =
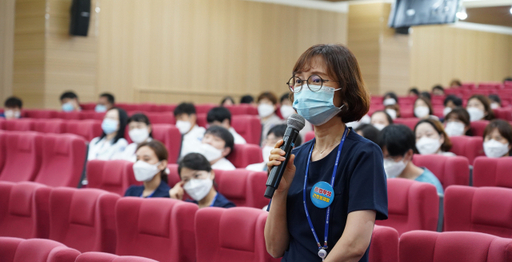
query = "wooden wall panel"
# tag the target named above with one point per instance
(6, 47)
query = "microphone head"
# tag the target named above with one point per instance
(296, 122)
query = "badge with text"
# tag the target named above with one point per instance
(322, 194)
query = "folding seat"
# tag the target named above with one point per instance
(478, 127)
(92, 115)
(148, 107)
(83, 218)
(56, 126)
(2, 150)
(74, 115)
(234, 185)
(204, 108)
(106, 257)
(468, 146)
(384, 245)
(24, 210)
(170, 136)
(24, 124)
(22, 156)
(406, 111)
(114, 176)
(244, 155)
(257, 187)
(128, 107)
(409, 122)
(165, 108)
(492, 172)
(425, 246)
(438, 111)
(450, 170)
(243, 109)
(377, 99)
(173, 176)
(157, 228)
(35, 250)
(87, 129)
(248, 126)
(41, 114)
(412, 205)
(309, 136)
(503, 113)
(161, 117)
(201, 120)
(88, 106)
(232, 234)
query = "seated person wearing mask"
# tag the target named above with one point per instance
(368, 131)
(457, 123)
(186, 122)
(150, 168)
(12, 108)
(111, 142)
(413, 92)
(275, 134)
(267, 105)
(498, 139)
(105, 102)
(69, 102)
(431, 138)
(227, 101)
(381, 119)
(220, 116)
(216, 145)
(197, 180)
(422, 108)
(451, 102)
(479, 108)
(139, 130)
(438, 90)
(398, 145)
(287, 110)
(247, 99)
(390, 98)
(495, 101)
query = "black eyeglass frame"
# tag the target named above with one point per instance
(322, 81)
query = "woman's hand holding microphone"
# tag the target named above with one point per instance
(275, 159)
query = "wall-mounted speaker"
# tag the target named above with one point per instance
(80, 16)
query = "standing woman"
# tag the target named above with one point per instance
(334, 186)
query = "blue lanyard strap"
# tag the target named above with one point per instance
(326, 233)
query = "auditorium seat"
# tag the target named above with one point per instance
(24, 124)
(468, 146)
(2, 150)
(92, 115)
(201, 120)
(257, 187)
(83, 218)
(157, 228)
(234, 185)
(55, 126)
(148, 107)
(492, 172)
(309, 136)
(244, 155)
(478, 127)
(87, 129)
(248, 126)
(40, 114)
(88, 107)
(483, 209)
(24, 210)
(106, 257)
(160, 117)
(503, 113)
(173, 176)
(426, 246)
(74, 115)
(22, 156)
(406, 112)
(384, 245)
(114, 176)
(409, 122)
(204, 108)
(63, 160)
(412, 205)
(243, 109)
(232, 234)
(128, 107)
(450, 170)
(165, 108)
(170, 136)
(35, 250)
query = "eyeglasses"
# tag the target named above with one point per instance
(314, 83)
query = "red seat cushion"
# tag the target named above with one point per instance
(384, 245)
(448, 169)
(245, 154)
(492, 172)
(467, 146)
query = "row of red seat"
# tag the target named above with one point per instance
(242, 109)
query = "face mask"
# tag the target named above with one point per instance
(389, 101)
(428, 146)
(183, 126)
(379, 126)
(265, 110)
(392, 168)
(144, 171)
(454, 129)
(197, 189)
(495, 149)
(100, 108)
(354, 124)
(421, 111)
(495, 105)
(211, 153)
(391, 113)
(266, 153)
(446, 111)
(139, 135)
(287, 111)
(316, 107)
(12, 114)
(109, 126)
(475, 114)
(68, 107)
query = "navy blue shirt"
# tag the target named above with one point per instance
(360, 184)
(219, 201)
(161, 191)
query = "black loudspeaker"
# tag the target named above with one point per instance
(80, 15)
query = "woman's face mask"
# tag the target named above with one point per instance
(316, 107)
(198, 188)
(394, 168)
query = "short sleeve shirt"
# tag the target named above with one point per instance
(360, 184)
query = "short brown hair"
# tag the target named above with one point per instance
(427, 101)
(160, 152)
(462, 115)
(268, 95)
(343, 67)
(487, 106)
(447, 145)
(503, 127)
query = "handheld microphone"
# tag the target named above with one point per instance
(295, 123)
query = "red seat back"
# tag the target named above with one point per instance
(56, 126)
(244, 155)
(41, 114)
(2, 149)
(243, 109)
(409, 122)
(161, 117)
(157, 228)
(384, 245)
(23, 156)
(87, 129)
(88, 107)
(478, 127)
(129, 107)
(114, 176)
(170, 136)
(467, 146)
(35, 250)
(92, 115)
(257, 187)
(450, 170)
(204, 108)
(73, 115)
(106, 257)
(24, 124)
(201, 120)
(492, 172)
(248, 126)
(234, 185)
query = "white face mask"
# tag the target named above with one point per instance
(265, 151)
(183, 126)
(495, 105)
(265, 110)
(286, 111)
(197, 189)
(446, 111)
(391, 113)
(144, 171)
(12, 114)
(379, 126)
(389, 101)
(454, 129)
(475, 114)
(211, 153)
(138, 135)
(428, 146)
(392, 168)
(421, 111)
(495, 149)
(354, 124)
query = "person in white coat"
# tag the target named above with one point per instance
(140, 132)
(220, 116)
(111, 141)
(186, 122)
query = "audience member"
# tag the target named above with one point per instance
(364, 120)
(12, 108)
(69, 102)
(198, 180)
(216, 145)
(451, 102)
(422, 108)
(390, 98)
(111, 142)
(221, 116)
(275, 134)
(413, 92)
(426, 95)
(368, 131)
(227, 101)
(455, 83)
(150, 168)
(431, 138)
(438, 90)
(507, 79)
(498, 139)
(381, 119)
(186, 122)
(393, 111)
(105, 102)
(139, 130)
(247, 99)
(457, 122)
(495, 101)
(398, 146)
(267, 105)
(286, 106)
(479, 108)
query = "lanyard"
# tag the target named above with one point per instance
(214, 199)
(320, 248)
(150, 195)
